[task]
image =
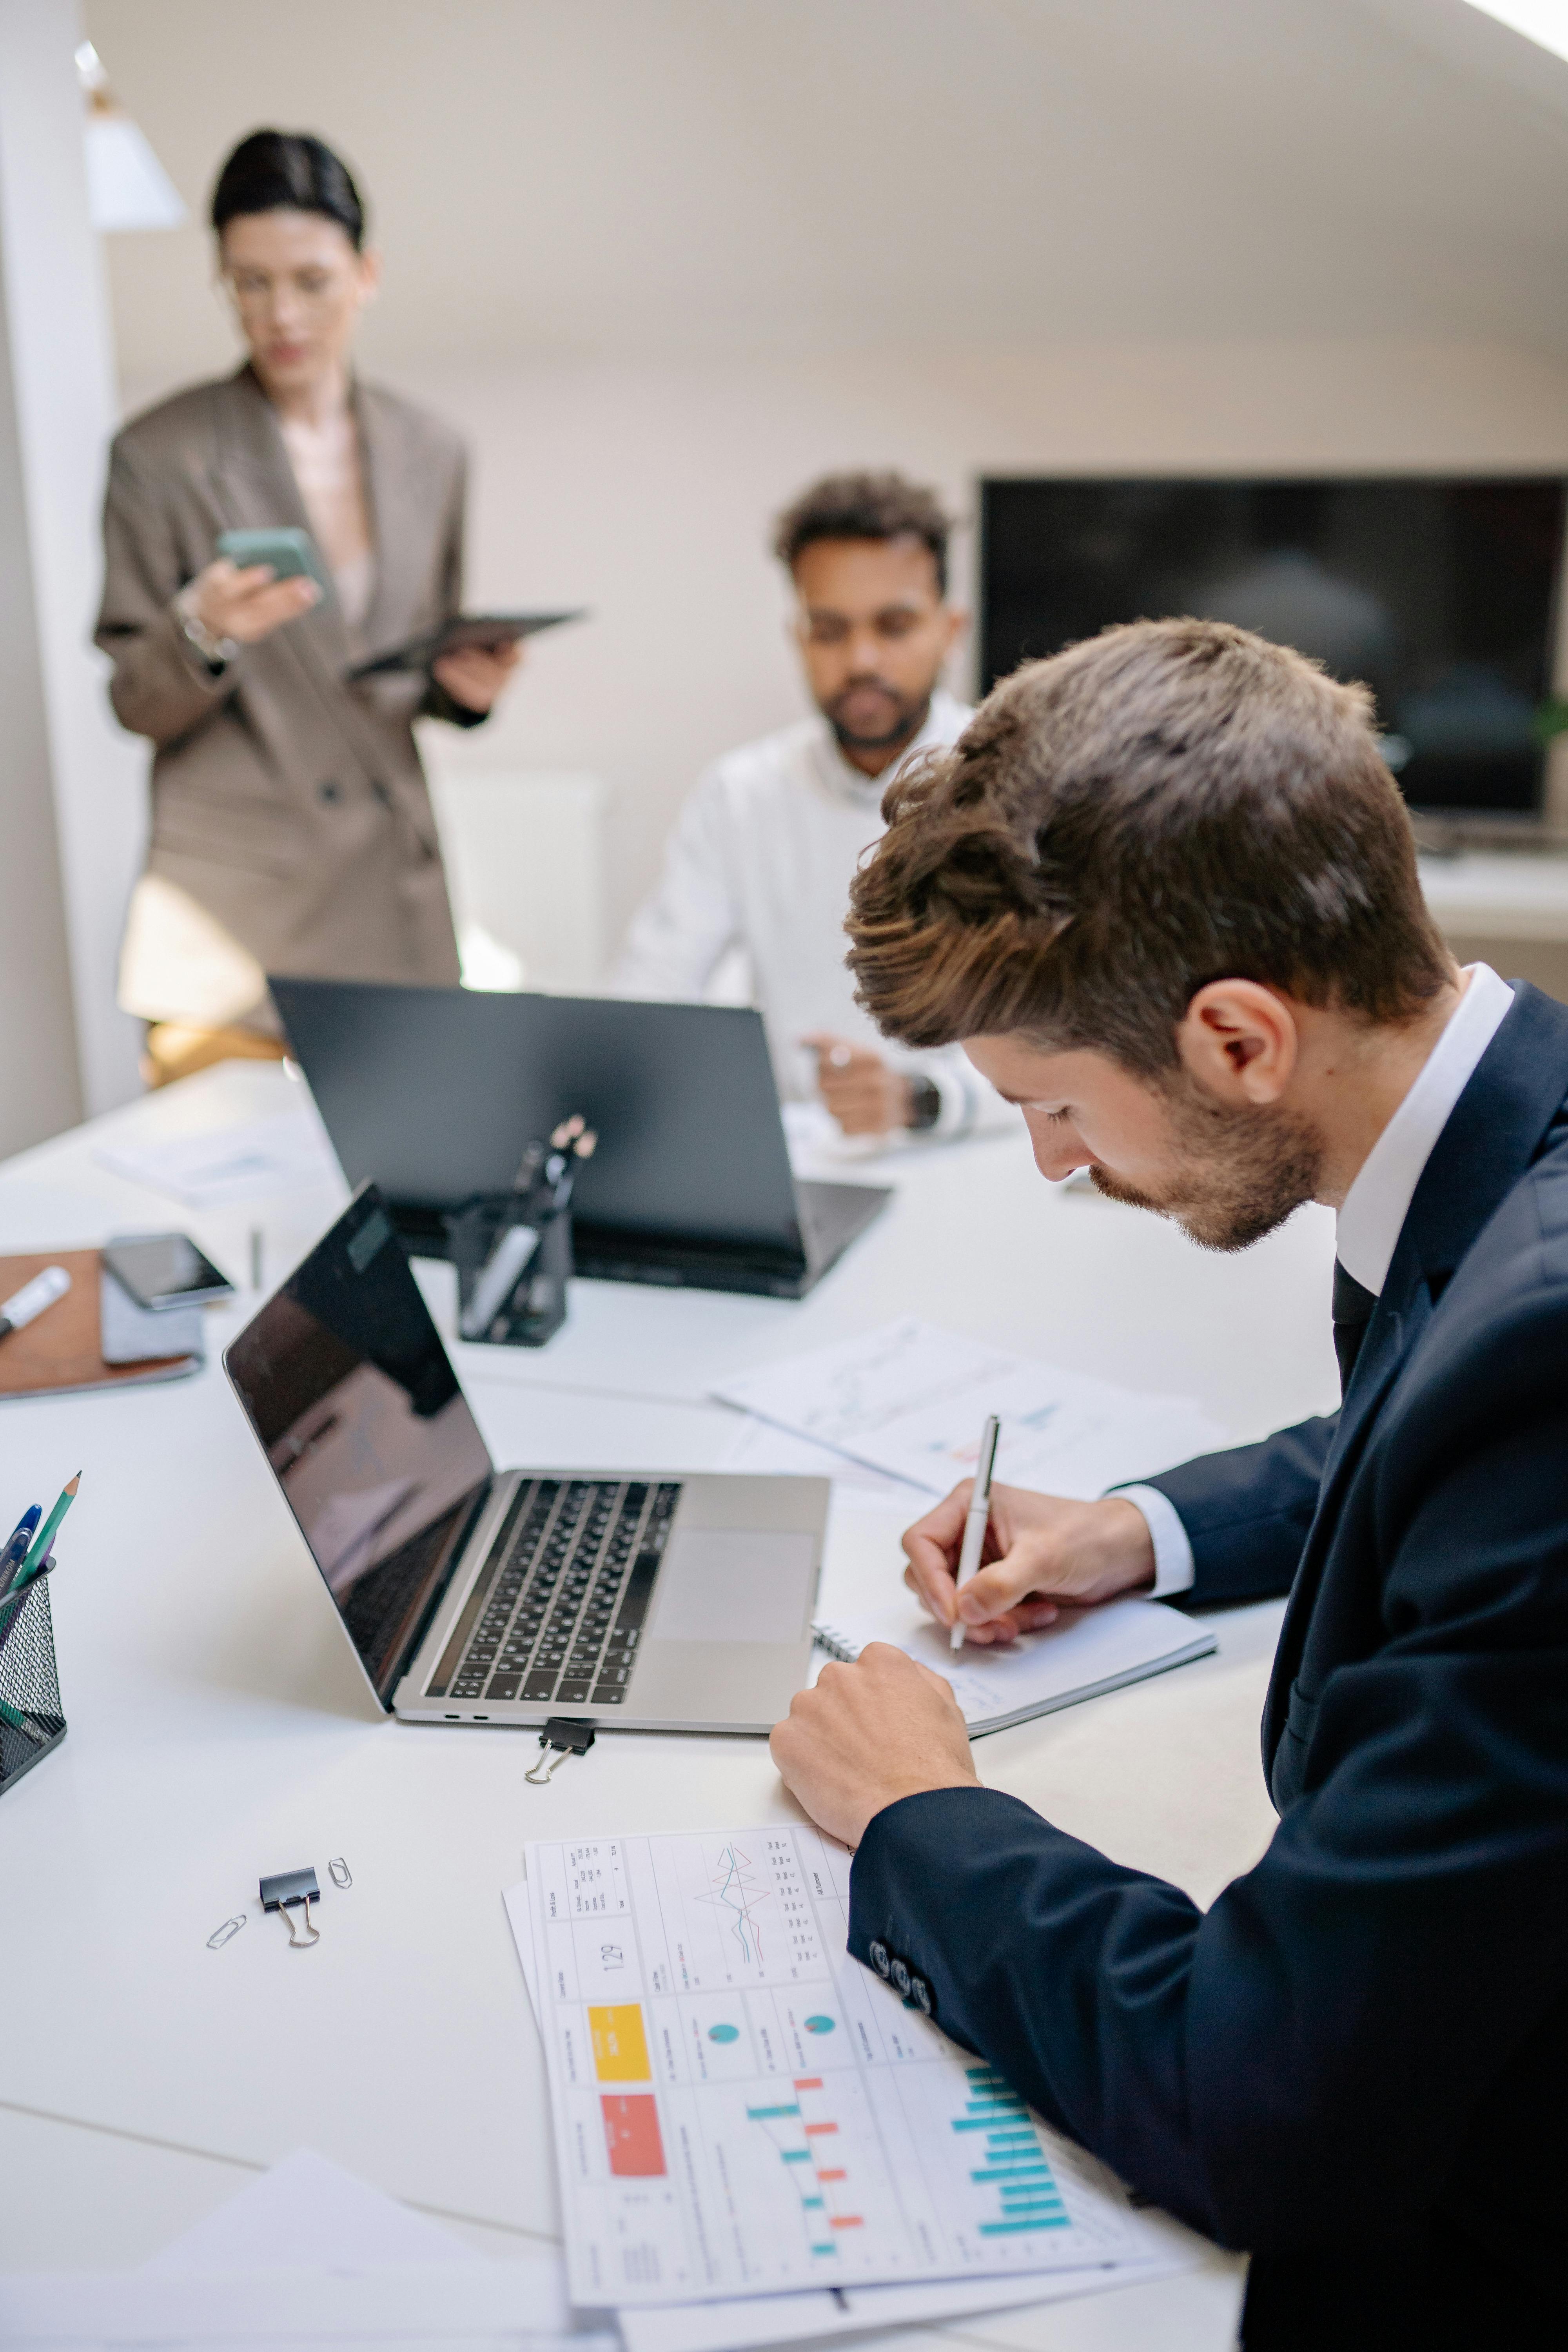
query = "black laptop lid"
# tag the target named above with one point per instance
(432, 1093)
(355, 1405)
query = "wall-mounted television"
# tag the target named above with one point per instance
(1439, 592)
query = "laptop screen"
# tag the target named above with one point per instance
(357, 1408)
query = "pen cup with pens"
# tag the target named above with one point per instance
(514, 1249)
(32, 1720)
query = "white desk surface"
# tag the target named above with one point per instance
(1498, 894)
(218, 1728)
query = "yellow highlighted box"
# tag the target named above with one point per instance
(620, 2045)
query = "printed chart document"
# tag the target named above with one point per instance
(1087, 1651)
(738, 2323)
(910, 1398)
(740, 2108)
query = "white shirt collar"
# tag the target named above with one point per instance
(945, 721)
(1375, 1206)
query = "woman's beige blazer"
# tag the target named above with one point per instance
(288, 804)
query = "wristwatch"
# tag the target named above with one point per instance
(925, 1104)
(216, 652)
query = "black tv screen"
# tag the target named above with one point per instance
(1440, 594)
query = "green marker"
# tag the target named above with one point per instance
(44, 1537)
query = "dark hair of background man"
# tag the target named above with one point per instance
(865, 506)
(1169, 803)
(273, 169)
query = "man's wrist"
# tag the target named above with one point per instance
(895, 1794)
(1170, 1551)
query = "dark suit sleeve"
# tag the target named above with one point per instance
(1311, 2053)
(1247, 1511)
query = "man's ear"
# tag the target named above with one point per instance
(1240, 1041)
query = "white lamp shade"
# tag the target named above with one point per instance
(126, 187)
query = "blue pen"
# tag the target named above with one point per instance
(16, 1551)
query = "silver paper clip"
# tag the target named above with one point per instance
(282, 1892)
(564, 1737)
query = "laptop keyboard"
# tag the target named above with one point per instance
(558, 1613)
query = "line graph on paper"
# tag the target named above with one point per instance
(739, 1913)
(741, 1895)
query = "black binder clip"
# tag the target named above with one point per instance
(282, 1892)
(567, 1739)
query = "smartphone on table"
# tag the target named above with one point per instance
(164, 1270)
(292, 553)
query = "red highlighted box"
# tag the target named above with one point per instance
(809, 2082)
(840, 2174)
(819, 2131)
(846, 2222)
(632, 2136)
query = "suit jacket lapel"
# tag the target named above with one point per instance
(399, 504)
(1493, 1133)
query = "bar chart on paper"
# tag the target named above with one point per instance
(739, 2107)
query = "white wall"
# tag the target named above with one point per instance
(644, 491)
(62, 390)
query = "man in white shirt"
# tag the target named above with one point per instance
(1166, 892)
(763, 853)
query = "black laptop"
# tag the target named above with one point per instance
(432, 1093)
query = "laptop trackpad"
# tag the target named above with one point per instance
(734, 1584)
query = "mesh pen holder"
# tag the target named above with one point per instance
(31, 1718)
(534, 1307)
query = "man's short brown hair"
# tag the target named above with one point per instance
(864, 506)
(1171, 802)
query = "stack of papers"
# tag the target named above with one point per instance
(756, 2139)
(307, 2257)
(223, 1169)
(904, 1406)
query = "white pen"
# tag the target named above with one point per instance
(26, 1304)
(979, 1517)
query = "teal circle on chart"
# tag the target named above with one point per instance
(819, 2025)
(723, 2033)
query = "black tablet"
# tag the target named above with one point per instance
(485, 629)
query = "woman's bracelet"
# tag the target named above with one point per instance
(216, 652)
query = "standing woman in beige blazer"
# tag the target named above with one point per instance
(291, 823)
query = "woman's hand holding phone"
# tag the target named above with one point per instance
(247, 604)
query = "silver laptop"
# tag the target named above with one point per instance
(475, 1595)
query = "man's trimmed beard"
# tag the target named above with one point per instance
(1238, 1175)
(911, 717)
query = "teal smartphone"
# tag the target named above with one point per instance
(290, 552)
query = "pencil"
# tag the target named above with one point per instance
(44, 1535)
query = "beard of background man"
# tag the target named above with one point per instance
(871, 715)
(1240, 1173)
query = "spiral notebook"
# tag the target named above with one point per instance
(1086, 1652)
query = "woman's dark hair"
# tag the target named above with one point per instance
(276, 168)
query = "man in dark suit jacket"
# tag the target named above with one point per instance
(1164, 890)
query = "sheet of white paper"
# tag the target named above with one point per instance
(234, 1164)
(792, 2319)
(734, 2324)
(696, 1994)
(416, 2306)
(305, 2211)
(910, 1398)
(1088, 1651)
(764, 1449)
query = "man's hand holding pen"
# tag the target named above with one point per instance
(1042, 1553)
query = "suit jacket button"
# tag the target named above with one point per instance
(878, 1958)
(329, 792)
(900, 1975)
(920, 1993)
